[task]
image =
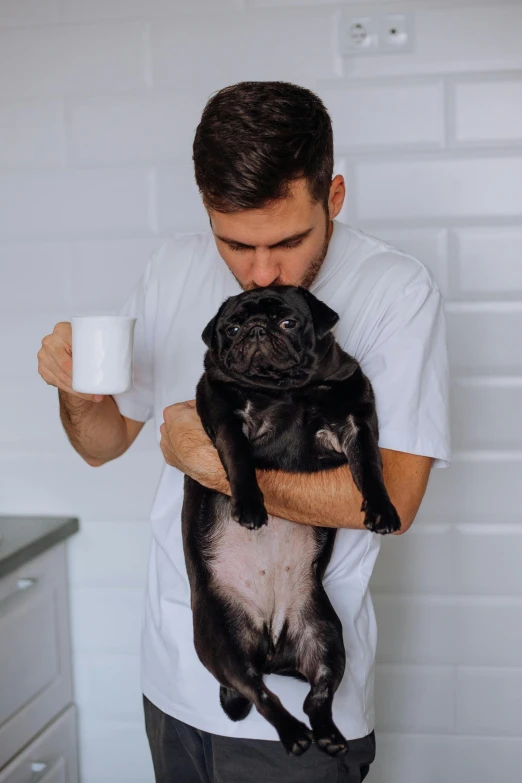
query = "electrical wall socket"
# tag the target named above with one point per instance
(379, 33)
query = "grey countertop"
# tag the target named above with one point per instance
(22, 538)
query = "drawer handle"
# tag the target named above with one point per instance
(38, 770)
(24, 584)
(21, 585)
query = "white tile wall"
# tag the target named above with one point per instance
(98, 103)
(488, 111)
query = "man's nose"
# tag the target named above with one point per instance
(264, 271)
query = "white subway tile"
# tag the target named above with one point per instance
(27, 10)
(114, 751)
(236, 47)
(47, 61)
(489, 702)
(137, 128)
(489, 633)
(106, 620)
(474, 631)
(65, 484)
(488, 490)
(489, 261)
(485, 415)
(414, 698)
(426, 244)
(20, 340)
(415, 630)
(29, 416)
(31, 134)
(487, 559)
(92, 202)
(483, 759)
(415, 758)
(439, 188)
(103, 9)
(118, 263)
(179, 204)
(44, 265)
(110, 554)
(488, 111)
(481, 341)
(386, 115)
(421, 560)
(107, 686)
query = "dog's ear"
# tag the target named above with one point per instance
(323, 317)
(209, 332)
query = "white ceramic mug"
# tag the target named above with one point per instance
(102, 347)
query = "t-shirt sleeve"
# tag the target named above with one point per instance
(138, 402)
(407, 364)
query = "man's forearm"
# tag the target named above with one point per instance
(96, 430)
(328, 498)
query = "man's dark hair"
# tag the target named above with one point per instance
(255, 138)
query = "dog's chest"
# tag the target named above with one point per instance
(289, 432)
(269, 571)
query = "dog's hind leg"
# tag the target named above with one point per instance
(295, 736)
(235, 705)
(321, 658)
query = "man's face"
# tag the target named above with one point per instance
(282, 244)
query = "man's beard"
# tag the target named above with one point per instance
(311, 272)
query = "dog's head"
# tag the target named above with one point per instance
(270, 337)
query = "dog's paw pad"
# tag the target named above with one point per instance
(297, 740)
(250, 515)
(334, 745)
(382, 519)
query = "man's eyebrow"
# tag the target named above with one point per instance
(293, 238)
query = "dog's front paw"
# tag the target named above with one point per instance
(249, 512)
(381, 517)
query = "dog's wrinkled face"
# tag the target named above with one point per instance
(270, 336)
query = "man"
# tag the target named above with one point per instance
(263, 156)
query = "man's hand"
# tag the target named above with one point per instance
(186, 446)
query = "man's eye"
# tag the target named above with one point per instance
(288, 323)
(238, 247)
(232, 330)
(289, 245)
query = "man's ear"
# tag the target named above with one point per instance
(324, 317)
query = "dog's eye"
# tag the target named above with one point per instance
(232, 330)
(288, 323)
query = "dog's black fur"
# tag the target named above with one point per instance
(278, 392)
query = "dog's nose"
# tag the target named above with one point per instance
(257, 332)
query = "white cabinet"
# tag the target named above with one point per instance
(50, 758)
(36, 711)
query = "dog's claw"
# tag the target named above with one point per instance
(249, 514)
(301, 740)
(381, 519)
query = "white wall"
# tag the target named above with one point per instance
(98, 103)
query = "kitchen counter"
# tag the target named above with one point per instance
(22, 538)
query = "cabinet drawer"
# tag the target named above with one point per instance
(35, 676)
(50, 758)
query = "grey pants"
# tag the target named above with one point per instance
(183, 754)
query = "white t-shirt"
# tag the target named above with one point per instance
(392, 321)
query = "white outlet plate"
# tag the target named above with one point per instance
(377, 34)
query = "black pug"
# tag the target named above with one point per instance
(278, 392)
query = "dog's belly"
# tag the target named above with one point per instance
(268, 572)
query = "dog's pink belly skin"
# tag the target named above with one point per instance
(267, 571)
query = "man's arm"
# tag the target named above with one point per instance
(328, 498)
(97, 430)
